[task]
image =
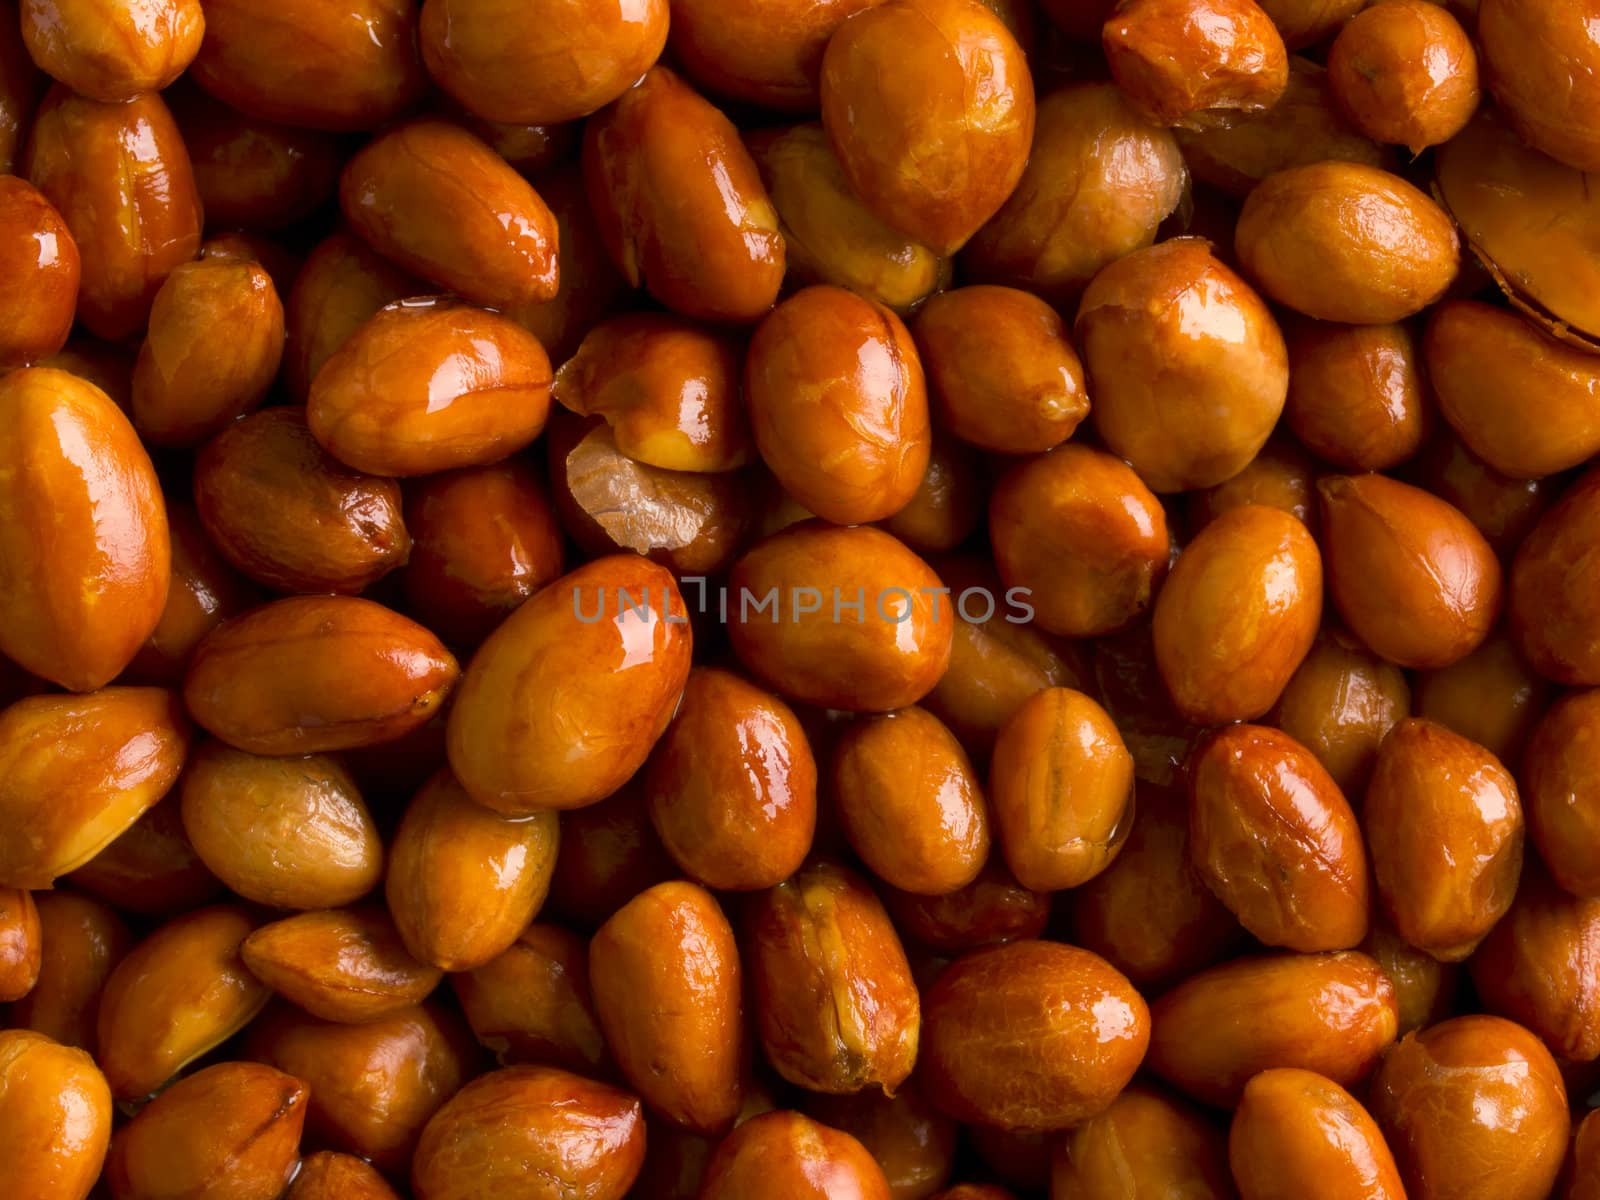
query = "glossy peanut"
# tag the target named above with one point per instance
(285, 832)
(1539, 64)
(347, 964)
(151, 868)
(565, 1136)
(1099, 182)
(1409, 574)
(483, 540)
(606, 648)
(668, 389)
(947, 506)
(76, 771)
(910, 803)
(1329, 1013)
(20, 949)
(979, 1065)
(113, 50)
(885, 655)
(1296, 1133)
(937, 156)
(373, 1085)
(179, 993)
(1386, 251)
(1281, 475)
(1551, 619)
(342, 283)
(1406, 75)
(1562, 805)
(1147, 1142)
(609, 854)
(327, 1175)
(302, 63)
(732, 785)
(835, 1006)
(1473, 1107)
(87, 557)
(1445, 833)
(769, 54)
(38, 253)
(1187, 367)
(993, 908)
(464, 881)
(704, 242)
(78, 940)
(1276, 841)
(1491, 697)
(1356, 396)
(55, 1117)
(441, 204)
(533, 1004)
(829, 235)
(130, 236)
(913, 1143)
(230, 1131)
(21, 83)
(839, 405)
(316, 673)
(787, 1154)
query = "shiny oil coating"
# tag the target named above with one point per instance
(948, 505)
(667, 991)
(1275, 839)
(732, 785)
(1504, 510)
(1540, 61)
(430, 385)
(788, 1154)
(120, 177)
(179, 993)
(21, 83)
(1329, 1013)
(911, 805)
(1299, 1134)
(1406, 73)
(346, 66)
(540, 64)
(1280, 476)
(20, 950)
(78, 771)
(464, 881)
(565, 700)
(839, 405)
(1445, 836)
(1409, 574)
(565, 1136)
(1383, 250)
(327, 1175)
(1187, 366)
(887, 656)
(1479, 356)
(680, 205)
(829, 235)
(1424, 987)
(1246, 591)
(913, 1142)
(440, 203)
(768, 52)
(86, 565)
(1032, 1036)
(1100, 179)
(1560, 794)
(669, 390)
(80, 940)
(929, 105)
(342, 283)
(311, 674)
(342, 964)
(113, 50)
(55, 1116)
(1146, 1143)
(1492, 697)
(252, 1116)
(993, 908)
(150, 868)
(1193, 65)
(1356, 394)
(1473, 1108)
(40, 259)
(836, 1008)
(287, 514)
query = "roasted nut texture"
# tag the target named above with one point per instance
(604, 649)
(40, 258)
(79, 941)
(790, 1155)
(1405, 73)
(20, 950)
(77, 771)
(1187, 366)
(835, 1005)
(993, 908)
(312, 674)
(87, 558)
(733, 785)
(1552, 619)
(1356, 394)
(1491, 697)
(342, 283)
(1296, 1133)
(929, 105)
(1146, 1143)
(327, 1175)
(680, 204)
(1559, 792)
(1329, 1013)
(182, 991)
(1031, 1036)
(151, 869)
(913, 1143)
(230, 1131)
(1473, 1107)
(463, 880)
(768, 53)
(1410, 575)
(1539, 61)
(55, 1117)
(1445, 832)
(533, 1132)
